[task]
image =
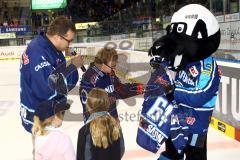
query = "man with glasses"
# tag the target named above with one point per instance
(45, 76)
(101, 74)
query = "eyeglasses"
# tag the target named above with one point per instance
(69, 41)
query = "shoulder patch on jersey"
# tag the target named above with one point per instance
(207, 69)
(193, 71)
(25, 59)
(94, 79)
(190, 120)
(208, 66)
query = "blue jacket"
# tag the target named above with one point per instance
(95, 78)
(196, 88)
(38, 62)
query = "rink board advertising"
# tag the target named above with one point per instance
(48, 4)
(227, 112)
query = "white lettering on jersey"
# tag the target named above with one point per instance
(41, 65)
(184, 77)
(23, 112)
(157, 114)
(43, 58)
(154, 133)
(156, 111)
(109, 89)
(174, 119)
(167, 112)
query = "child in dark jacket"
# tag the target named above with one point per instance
(101, 137)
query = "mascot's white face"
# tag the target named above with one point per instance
(193, 35)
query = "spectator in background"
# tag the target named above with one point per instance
(15, 22)
(45, 76)
(5, 24)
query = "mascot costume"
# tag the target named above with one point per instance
(180, 116)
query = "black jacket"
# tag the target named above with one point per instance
(87, 151)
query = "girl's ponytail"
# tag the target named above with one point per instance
(104, 130)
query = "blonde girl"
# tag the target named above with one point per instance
(100, 138)
(51, 143)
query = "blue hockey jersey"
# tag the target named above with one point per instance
(160, 118)
(40, 60)
(196, 88)
(95, 78)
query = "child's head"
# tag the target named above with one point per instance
(107, 58)
(104, 128)
(97, 101)
(48, 114)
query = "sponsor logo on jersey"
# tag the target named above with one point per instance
(184, 77)
(42, 65)
(43, 58)
(207, 69)
(193, 71)
(155, 133)
(208, 73)
(109, 89)
(190, 120)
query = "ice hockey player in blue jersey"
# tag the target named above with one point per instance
(45, 77)
(101, 74)
(192, 37)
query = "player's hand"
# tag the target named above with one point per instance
(77, 60)
(165, 84)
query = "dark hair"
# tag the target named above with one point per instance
(60, 25)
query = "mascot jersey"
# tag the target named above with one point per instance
(39, 61)
(95, 78)
(160, 118)
(196, 93)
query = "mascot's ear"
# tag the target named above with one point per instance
(200, 30)
(168, 29)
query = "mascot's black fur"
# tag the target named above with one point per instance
(189, 37)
